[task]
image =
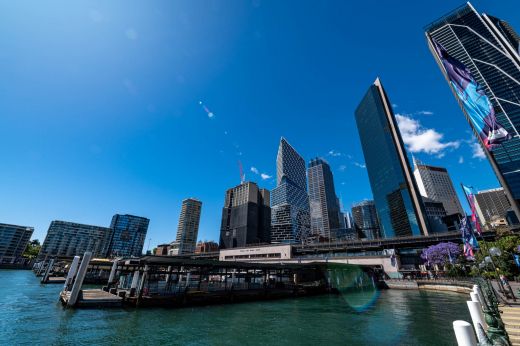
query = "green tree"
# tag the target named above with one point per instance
(505, 263)
(32, 249)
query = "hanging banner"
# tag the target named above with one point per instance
(476, 103)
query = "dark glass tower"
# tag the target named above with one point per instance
(290, 218)
(323, 202)
(128, 235)
(396, 196)
(365, 218)
(488, 48)
(246, 216)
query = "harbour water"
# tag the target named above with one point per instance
(30, 314)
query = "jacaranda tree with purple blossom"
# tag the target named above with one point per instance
(441, 254)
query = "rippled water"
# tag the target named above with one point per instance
(31, 314)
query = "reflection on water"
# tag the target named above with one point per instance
(30, 314)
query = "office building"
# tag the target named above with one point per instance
(290, 216)
(436, 214)
(435, 183)
(324, 205)
(188, 228)
(13, 241)
(396, 196)
(128, 235)
(478, 55)
(491, 205)
(364, 216)
(70, 239)
(206, 246)
(246, 216)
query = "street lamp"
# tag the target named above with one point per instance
(494, 251)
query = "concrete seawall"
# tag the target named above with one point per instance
(431, 285)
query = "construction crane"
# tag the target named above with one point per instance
(242, 175)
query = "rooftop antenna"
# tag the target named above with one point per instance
(242, 175)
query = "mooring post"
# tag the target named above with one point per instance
(477, 316)
(78, 282)
(478, 292)
(135, 281)
(40, 268)
(112, 275)
(188, 277)
(72, 271)
(464, 333)
(474, 297)
(48, 271)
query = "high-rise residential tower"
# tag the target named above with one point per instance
(478, 55)
(435, 183)
(128, 235)
(364, 216)
(396, 196)
(188, 228)
(70, 239)
(246, 216)
(13, 241)
(290, 217)
(324, 206)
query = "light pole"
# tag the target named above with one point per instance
(494, 251)
(489, 259)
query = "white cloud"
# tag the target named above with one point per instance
(334, 153)
(424, 113)
(461, 159)
(264, 176)
(478, 152)
(360, 165)
(420, 139)
(342, 168)
(131, 34)
(394, 105)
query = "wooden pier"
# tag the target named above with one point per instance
(93, 298)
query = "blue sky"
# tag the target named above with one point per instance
(100, 101)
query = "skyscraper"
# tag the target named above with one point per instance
(323, 202)
(365, 218)
(396, 196)
(435, 183)
(246, 216)
(479, 57)
(128, 235)
(70, 239)
(188, 228)
(491, 204)
(290, 217)
(13, 241)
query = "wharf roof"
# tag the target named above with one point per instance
(183, 261)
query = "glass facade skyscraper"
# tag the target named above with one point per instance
(290, 217)
(128, 235)
(324, 206)
(488, 48)
(365, 218)
(396, 196)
